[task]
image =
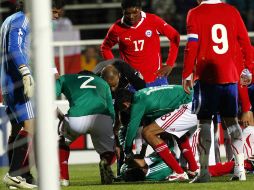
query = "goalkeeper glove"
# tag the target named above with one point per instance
(28, 81)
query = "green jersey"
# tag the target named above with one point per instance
(158, 170)
(87, 94)
(153, 102)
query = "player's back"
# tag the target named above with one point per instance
(162, 99)
(87, 94)
(217, 26)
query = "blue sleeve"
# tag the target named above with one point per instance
(17, 47)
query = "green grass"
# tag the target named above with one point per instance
(87, 177)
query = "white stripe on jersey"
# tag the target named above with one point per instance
(192, 36)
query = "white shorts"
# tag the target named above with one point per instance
(179, 121)
(99, 126)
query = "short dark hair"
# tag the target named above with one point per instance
(134, 174)
(131, 3)
(58, 4)
(122, 95)
(20, 6)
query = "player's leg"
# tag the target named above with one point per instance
(151, 135)
(22, 109)
(103, 140)
(178, 123)
(205, 104)
(66, 137)
(229, 110)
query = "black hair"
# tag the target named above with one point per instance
(131, 3)
(20, 6)
(86, 72)
(122, 95)
(134, 174)
(58, 4)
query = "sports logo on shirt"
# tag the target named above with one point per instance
(149, 33)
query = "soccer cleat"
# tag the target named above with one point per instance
(17, 182)
(240, 176)
(178, 177)
(64, 182)
(12, 187)
(202, 178)
(193, 174)
(106, 173)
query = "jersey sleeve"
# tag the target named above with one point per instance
(130, 74)
(110, 104)
(244, 42)
(137, 112)
(17, 36)
(244, 98)
(173, 36)
(191, 49)
(59, 86)
(109, 41)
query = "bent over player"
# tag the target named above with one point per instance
(91, 111)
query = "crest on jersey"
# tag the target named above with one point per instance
(149, 33)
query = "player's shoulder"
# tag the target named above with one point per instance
(19, 20)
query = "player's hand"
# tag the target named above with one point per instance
(245, 77)
(165, 70)
(245, 119)
(187, 85)
(28, 81)
(128, 159)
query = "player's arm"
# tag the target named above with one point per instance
(137, 112)
(174, 40)
(245, 118)
(190, 52)
(59, 85)
(110, 103)
(244, 42)
(107, 44)
(17, 37)
(131, 75)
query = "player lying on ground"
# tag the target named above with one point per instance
(153, 168)
(91, 111)
(153, 103)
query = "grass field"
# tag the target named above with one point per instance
(87, 177)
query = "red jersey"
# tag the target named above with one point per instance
(215, 31)
(140, 45)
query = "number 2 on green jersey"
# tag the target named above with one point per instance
(85, 83)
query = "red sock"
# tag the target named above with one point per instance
(63, 159)
(248, 166)
(221, 169)
(185, 148)
(164, 152)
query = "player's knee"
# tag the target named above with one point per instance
(235, 131)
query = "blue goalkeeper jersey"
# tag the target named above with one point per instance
(14, 47)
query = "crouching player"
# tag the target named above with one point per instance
(91, 111)
(153, 103)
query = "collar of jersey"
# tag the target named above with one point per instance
(211, 2)
(143, 16)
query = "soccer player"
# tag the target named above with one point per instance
(160, 105)
(119, 74)
(17, 88)
(153, 168)
(137, 34)
(211, 47)
(91, 110)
